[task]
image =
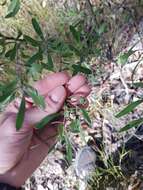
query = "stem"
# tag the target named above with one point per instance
(90, 8)
(11, 38)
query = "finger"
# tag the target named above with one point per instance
(77, 101)
(51, 81)
(84, 91)
(75, 83)
(54, 102)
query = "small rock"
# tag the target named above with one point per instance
(85, 162)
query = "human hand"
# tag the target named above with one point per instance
(18, 158)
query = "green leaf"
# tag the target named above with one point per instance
(132, 124)
(46, 120)
(7, 90)
(86, 117)
(129, 108)
(2, 46)
(37, 28)
(36, 57)
(35, 68)
(123, 57)
(138, 84)
(31, 41)
(50, 64)
(75, 33)
(102, 28)
(11, 53)
(38, 99)
(61, 131)
(68, 149)
(75, 126)
(20, 114)
(13, 8)
(74, 49)
(78, 68)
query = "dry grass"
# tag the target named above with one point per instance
(46, 15)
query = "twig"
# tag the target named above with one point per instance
(124, 84)
(134, 70)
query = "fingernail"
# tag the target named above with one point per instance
(57, 94)
(73, 99)
(55, 98)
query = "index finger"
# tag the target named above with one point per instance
(51, 82)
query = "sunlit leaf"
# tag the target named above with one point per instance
(47, 120)
(13, 8)
(35, 68)
(129, 108)
(38, 99)
(134, 123)
(37, 28)
(123, 57)
(20, 114)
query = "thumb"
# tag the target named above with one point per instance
(54, 102)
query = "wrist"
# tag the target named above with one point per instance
(10, 179)
(4, 186)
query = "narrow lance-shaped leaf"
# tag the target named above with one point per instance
(50, 62)
(37, 28)
(79, 68)
(129, 108)
(86, 117)
(7, 90)
(37, 56)
(13, 8)
(38, 99)
(75, 126)
(20, 114)
(46, 120)
(2, 46)
(31, 41)
(61, 131)
(138, 84)
(134, 123)
(75, 33)
(102, 28)
(68, 149)
(123, 57)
